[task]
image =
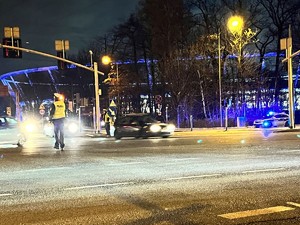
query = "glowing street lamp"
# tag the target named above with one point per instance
(106, 60)
(235, 24)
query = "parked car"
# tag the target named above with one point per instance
(141, 125)
(11, 132)
(274, 120)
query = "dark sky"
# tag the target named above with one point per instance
(42, 22)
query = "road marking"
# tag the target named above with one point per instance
(3, 195)
(183, 159)
(192, 177)
(286, 151)
(256, 212)
(98, 185)
(44, 169)
(294, 204)
(125, 163)
(265, 170)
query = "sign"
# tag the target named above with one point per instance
(112, 104)
(158, 99)
(42, 107)
(112, 109)
(8, 111)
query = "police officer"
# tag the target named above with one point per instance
(57, 116)
(107, 122)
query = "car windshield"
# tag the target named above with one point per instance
(138, 119)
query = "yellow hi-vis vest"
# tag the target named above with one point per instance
(60, 110)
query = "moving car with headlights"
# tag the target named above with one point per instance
(273, 120)
(141, 125)
(11, 133)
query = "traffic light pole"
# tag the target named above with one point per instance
(50, 56)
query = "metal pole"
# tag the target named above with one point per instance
(226, 118)
(220, 81)
(97, 98)
(290, 80)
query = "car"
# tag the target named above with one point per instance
(141, 125)
(273, 120)
(12, 132)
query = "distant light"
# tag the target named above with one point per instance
(243, 141)
(199, 141)
(106, 60)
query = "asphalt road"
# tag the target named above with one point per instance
(247, 176)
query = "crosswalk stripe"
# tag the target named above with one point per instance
(294, 204)
(256, 212)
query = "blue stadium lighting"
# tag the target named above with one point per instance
(26, 71)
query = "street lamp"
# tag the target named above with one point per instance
(235, 24)
(91, 55)
(106, 60)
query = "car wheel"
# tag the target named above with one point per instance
(117, 135)
(22, 140)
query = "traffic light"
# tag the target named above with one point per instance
(12, 53)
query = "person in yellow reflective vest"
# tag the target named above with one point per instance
(107, 122)
(57, 116)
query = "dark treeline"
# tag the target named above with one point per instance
(173, 49)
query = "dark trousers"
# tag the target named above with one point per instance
(59, 132)
(107, 128)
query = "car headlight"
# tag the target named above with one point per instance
(73, 127)
(28, 127)
(171, 127)
(155, 128)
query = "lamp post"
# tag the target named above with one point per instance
(220, 81)
(235, 25)
(97, 93)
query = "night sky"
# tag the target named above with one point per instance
(42, 22)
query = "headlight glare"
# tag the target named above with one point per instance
(73, 127)
(155, 128)
(171, 127)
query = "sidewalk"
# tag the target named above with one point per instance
(91, 133)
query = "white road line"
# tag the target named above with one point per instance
(125, 163)
(183, 159)
(294, 204)
(98, 185)
(265, 170)
(255, 212)
(285, 151)
(44, 169)
(192, 177)
(3, 195)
